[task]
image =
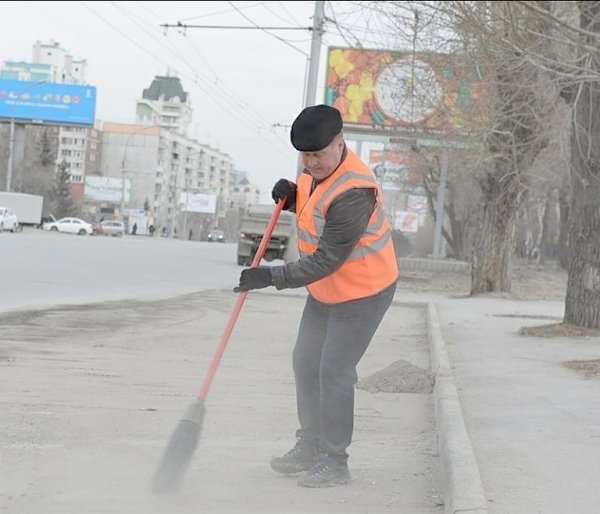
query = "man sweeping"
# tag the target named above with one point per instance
(347, 263)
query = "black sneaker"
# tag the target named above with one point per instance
(327, 472)
(300, 458)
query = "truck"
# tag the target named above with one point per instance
(253, 226)
(28, 208)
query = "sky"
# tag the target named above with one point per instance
(246, 85)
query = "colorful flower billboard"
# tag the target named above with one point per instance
(385, 91)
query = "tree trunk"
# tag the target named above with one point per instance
(545, 228)
(563, 238)
(491, 250)
(582, 303)
(512, 145)
(458, 228)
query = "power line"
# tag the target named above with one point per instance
(237, 27)
(225, 11)
(248, 123)
(266, 31)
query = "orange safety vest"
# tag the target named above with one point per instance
(372, 266)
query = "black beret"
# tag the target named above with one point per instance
(315, 127)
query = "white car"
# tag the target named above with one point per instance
(112, 228)
(70, 226)
(8, 220)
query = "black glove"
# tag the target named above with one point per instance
(254, 278)
(285, 188)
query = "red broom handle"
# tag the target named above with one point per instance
(262, 248)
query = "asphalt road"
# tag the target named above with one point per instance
(89, 394)
(41, 269)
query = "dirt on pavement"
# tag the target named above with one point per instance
(90, 394)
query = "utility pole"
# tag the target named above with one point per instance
(439, 206)
(315, 53)
(310, 89)
(187, 201)
(292, 253)
(11, 151)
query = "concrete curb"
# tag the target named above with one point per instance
(461, 481)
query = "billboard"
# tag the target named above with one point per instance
(396, 171)
(394, 92)
(198, 202)
(416, 203)
(47, 102)
(406, 221)
(106, 189)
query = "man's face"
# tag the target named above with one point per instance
(323, 163)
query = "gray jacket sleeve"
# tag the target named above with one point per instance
(346, 221)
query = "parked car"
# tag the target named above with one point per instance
(216, 236)
(8, 220)
(112, 228)
(70, 226)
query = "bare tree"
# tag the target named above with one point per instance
(497, 38)
(582, 303)
(540, 231)
(520, 101)
(461, 199)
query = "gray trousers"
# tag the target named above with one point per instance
(331, 341)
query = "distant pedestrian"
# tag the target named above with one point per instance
(134, 229)
(151, 230)
(190, 235)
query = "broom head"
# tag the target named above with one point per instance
(179, 451)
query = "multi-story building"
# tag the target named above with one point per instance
(184, 165)
(244, 192)
(21, 70)
(63, 68)
(159, 166)
(50, 63)
(130, 155)
(79, 147)
(166, 105)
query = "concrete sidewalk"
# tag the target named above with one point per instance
(89, 396)
(519, 431)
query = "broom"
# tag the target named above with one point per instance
(184, 439)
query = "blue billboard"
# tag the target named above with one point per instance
(47, 102)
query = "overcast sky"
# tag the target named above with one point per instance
(246, 86)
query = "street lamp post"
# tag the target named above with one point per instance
(11, 138)
(187, 194)
(122, 207)
(11, 149)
